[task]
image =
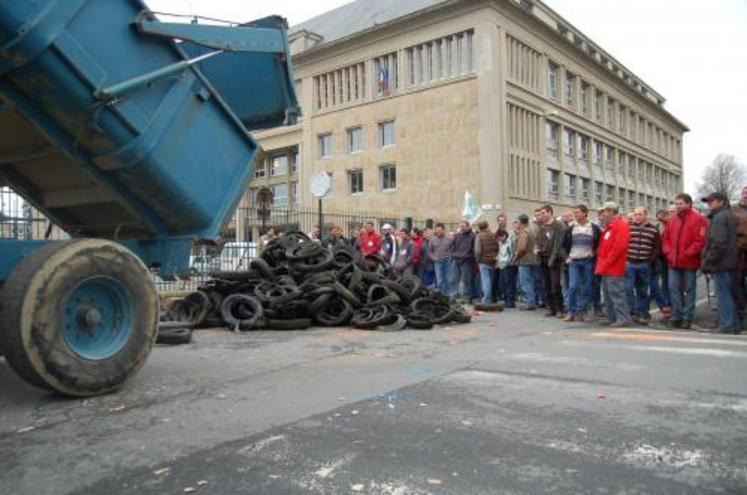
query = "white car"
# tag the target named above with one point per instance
(236, 256)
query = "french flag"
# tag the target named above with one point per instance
(383, 80)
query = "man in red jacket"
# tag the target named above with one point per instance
(370, 240)
(683, 243)
(613, 248)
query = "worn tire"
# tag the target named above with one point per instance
(233, 320)
(31, 328)
(295, 324)
(174, 336)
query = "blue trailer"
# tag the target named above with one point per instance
(132, 135)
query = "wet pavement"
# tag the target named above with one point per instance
(512, 403)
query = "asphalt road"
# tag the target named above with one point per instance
(512, 403)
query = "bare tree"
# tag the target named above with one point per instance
(725, 175)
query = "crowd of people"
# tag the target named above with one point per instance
(609, 268)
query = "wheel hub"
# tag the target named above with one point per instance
(88, 318)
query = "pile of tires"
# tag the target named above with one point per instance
(296, 283)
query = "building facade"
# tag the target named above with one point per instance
(407, 104)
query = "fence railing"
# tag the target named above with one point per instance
(237, 245)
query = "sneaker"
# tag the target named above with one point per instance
(599, 313)
(551, 314)
(686, 325)
(580, 317)
(560, 315)
(571, 317)
(639, 320)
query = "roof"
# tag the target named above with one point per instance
(360, 15)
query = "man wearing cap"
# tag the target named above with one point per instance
(683, 242)
(388, 243)
(720, 260)
(613, 247)
(462, 257)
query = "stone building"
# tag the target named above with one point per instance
(409, 103)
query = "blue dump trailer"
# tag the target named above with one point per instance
(132, 135)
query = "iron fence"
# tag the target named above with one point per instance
(237, 244)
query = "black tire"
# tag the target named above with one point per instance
(240, 311)
(419, 321)
(31, 327)
(399, 324)
(321, 263)
(174, 336)
(295, 324)
(335, 313)
(347, 295)
(263, 268)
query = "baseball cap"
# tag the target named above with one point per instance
(387, 226)
(714, 195)
(609, 205)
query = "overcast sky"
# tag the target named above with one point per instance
(693, 52)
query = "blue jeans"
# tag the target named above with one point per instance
(429, 278)
(637, 285)
(486, 280)
(527, 285)
(507, 283)
(596, 291)
(580, 274)
(565, 284)
(461, 271)
(540, 291)
(442, 269)
(728, 316)
(682, 293)
(660, 284)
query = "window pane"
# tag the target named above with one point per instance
(355, 140)
(279, 165)
(386, 134)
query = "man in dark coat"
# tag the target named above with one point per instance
(720, 260)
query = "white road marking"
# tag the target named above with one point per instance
(677, 338)
(700, 351)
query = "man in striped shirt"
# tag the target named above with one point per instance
(645, 246)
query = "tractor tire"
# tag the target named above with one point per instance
(79, 317)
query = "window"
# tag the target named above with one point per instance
(355, 181)
(440, 58)
(279, 165)
(553, 183)
(621, 163)
(585, 190)
(552, 81)
(280, 195)
(570, 89)
(388, 175)
(583, 148)
(261, 171)
(623, 112)
(570, 187)
(325, 145)
(610, 158)
(598, 153)
(585, 98)
(386, 134)
(294, 193)
(610, 193)
(295, 159)
(570, 143)
(599, 193)
(621, 197)
(340, 86)
(611, 113)
(355, 140)
(599, 104)
(631, 168)
(631, 200)
(551, 136)
(387, 77)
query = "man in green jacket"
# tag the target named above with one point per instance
(551, 258)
